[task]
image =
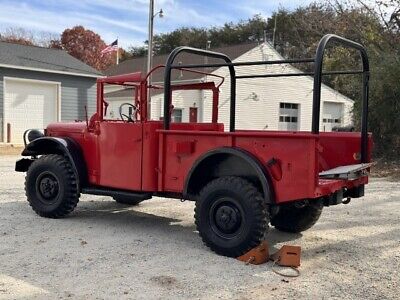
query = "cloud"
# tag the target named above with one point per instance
(127, 19)
(12, 15)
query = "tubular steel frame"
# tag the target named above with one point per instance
(317, 74)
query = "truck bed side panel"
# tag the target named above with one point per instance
(296, 155)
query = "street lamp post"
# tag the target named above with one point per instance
(150, 49)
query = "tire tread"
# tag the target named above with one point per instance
(257, 202)
(295, 220)
(72, 194)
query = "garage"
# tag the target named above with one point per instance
(332, 115)
(39, 86)
(28, 104)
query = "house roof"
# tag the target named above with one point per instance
(140, 63)
(123, 93)
(41, 59)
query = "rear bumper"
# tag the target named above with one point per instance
(329, 186)
(334, 191)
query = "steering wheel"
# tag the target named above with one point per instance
(127, 118)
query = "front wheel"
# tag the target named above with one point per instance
(51, 186)
(231, 216)
(296, 218)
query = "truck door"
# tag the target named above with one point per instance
(120, 154)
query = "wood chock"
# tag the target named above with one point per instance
(287, 256)
(257, 255)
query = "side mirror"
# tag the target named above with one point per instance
(92, 120)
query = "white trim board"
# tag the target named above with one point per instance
(50, 71)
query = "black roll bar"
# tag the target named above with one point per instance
(167, 80)
(319, 57)
(318, 63)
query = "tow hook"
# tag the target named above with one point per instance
(347, 201)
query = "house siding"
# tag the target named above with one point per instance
(181, 99)
(258, 99)
(76, 92)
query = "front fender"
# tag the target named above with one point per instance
(55, 145)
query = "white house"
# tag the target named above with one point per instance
(279, 103)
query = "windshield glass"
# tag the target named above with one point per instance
(116, 95)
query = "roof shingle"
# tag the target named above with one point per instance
(53, 60)
(140, 63)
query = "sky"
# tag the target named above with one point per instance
(128, 19)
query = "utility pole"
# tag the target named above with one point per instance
(150, 50)
(150, 38)
(273, 35)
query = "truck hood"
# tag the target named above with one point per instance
(65, 128)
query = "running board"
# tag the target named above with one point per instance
(346, 172)
(116, 193)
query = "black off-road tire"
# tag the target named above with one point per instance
(127, 200)
(292, 218)
(231, 216)
(51, 186)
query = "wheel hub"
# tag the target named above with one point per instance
(225, 218)
(48, 186)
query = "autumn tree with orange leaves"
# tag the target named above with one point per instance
(86, 46)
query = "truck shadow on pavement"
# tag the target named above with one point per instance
(105, 214)
(110, 213)
(275, 237)
(131, 221)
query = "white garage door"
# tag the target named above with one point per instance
(288, 116)
(332, 115)
(28, 104)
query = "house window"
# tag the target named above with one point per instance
(288, 116)
(177, 115)
(334, 121)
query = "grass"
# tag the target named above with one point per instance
(384, 168)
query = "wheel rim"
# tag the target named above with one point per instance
(226, 217)
(48, 187)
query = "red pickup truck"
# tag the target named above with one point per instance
(241, 180)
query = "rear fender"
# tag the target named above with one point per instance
(53, 145)
(227, 162)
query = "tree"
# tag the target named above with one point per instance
(133, 51)
(17, 36)
(26, 37)
(244, 31)
(86, 46)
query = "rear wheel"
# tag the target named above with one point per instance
(127, 200)
(231, 216)
(297, 217)
(51, 186)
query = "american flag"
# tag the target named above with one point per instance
(110, 48)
